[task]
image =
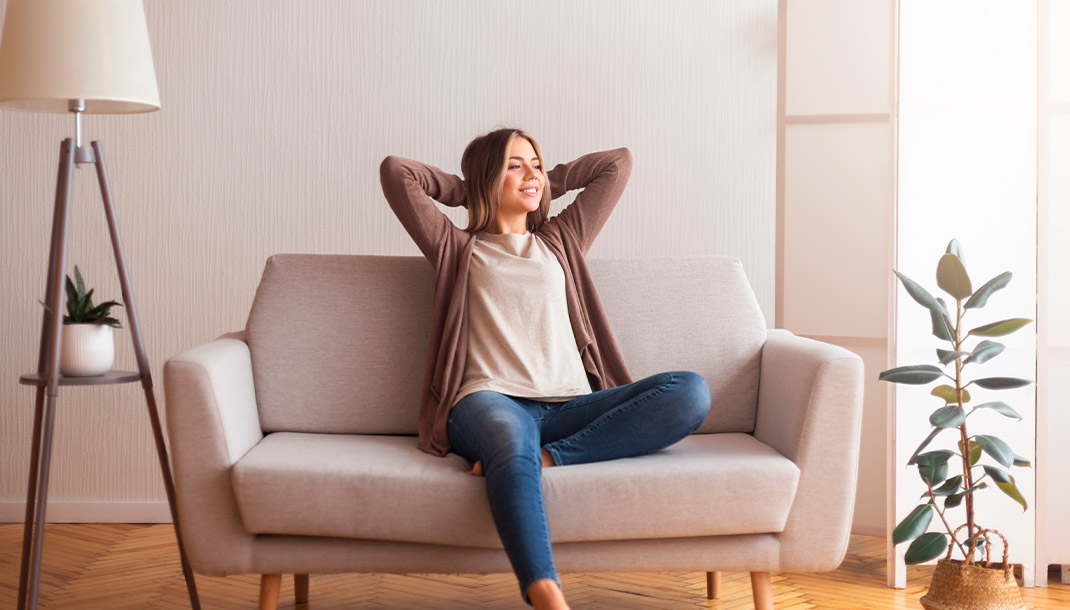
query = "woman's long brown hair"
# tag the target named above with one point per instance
(483, 166)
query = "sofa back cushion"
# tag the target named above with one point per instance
(339, 342)
(689, 314)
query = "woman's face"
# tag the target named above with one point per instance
(524, 181)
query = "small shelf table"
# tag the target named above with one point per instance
(111, 377)
(48, 379)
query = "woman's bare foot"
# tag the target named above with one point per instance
(546, 595)
(477, 468)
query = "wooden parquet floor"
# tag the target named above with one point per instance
(116, 566)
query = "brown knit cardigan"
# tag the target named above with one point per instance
(411, 186)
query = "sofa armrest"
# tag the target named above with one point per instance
(810, 410)
(212, 421)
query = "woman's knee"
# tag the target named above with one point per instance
(693, 398)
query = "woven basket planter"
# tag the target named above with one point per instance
(958, 586)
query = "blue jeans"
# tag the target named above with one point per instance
(507, 434)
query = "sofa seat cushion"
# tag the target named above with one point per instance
(384, 488)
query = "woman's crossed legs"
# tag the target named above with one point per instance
(508, 435)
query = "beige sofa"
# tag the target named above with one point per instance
(294, 452)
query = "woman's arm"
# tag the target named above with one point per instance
(410, 187)
(602, 176)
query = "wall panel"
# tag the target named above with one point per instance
(968, 170)
(835, 196)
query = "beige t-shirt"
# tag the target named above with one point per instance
(520, 340)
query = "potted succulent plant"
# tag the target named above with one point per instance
(88, 343)
(953, 479)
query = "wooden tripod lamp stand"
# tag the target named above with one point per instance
(78, 56)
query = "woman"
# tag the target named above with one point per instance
(523, 371)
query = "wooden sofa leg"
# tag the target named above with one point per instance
(301, 588)
(269, 591)
(713, 585)
(761, 584)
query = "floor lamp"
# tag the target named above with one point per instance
(78, 56)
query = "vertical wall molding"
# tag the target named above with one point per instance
(781, 118)
(896, 570)
(1043, 468)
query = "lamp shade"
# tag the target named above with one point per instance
(54, 51)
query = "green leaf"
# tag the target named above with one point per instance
(950, 416)
(72, 293)
(915, 374)
(949, 487)
(949, 394)
(924, 444)
(952, 278)
(982, 541)
(954, 500)
(941, 326)
(926, 548)
(85, 303)
(933, 475)
(918, 293)
(1000, 407)
(975, 451)
(947, 356)
(998, 329)
(985, 351)
(78, 280)
(914, 524)
(946, 392)
(1021, 461)
(998, 475)
(1002, 383)
(98, 312)
(999, 450)
(1011, 489)
(943, 307)
(940, 456)
(980, 297)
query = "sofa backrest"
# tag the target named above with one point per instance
(339, 342)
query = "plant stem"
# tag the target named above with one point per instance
(967, 477)
(947, 526)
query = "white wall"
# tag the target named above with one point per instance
(275, 117)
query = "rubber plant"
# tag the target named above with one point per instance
(980, 459)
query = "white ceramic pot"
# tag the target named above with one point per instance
(88, 350)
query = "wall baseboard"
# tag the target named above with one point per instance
(91, 512)
(867, 529)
